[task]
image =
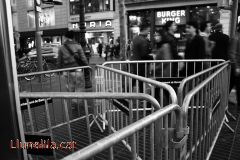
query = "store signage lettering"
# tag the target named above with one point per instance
(179, 16)
(108, 23)
(94, 24)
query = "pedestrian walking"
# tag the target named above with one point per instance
(205, 29)
(221, 40)
(99, 48)
(234, 54)
(140, 51)
(107, 50)
(171, 42)
(129, 49)
(195, 47)
(70, 55)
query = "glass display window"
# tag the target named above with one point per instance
(138, 20)
(204, 13)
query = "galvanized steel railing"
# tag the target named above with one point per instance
(160, 145)
(53, 80)
(189, 83)
(204, 109)
(78, 127)
(155, 69)
(113, 80)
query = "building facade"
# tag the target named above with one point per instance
(101, 21)
(154, 14)
(52, 22)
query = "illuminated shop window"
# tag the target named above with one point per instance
(138, 20)
(46, 18)
(204, 13)
(90, 6)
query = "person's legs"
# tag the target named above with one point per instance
(237, 84)
(232, 79)
(87, 77)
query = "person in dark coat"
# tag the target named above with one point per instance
(195, 47)
(67, 59)
(140, 51)
(234, 55)
(220, 49)
(171, 41)
(100, 47)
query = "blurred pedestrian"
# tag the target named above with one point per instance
(162, 51)
(140, 51)
(195, 47)
(107, 50)
(170, 41)
(117, 48)
(99, 48)
(220, 49)
(205, 29)
(111, 46)
(71, 55)
(234, 54)
(129, 49)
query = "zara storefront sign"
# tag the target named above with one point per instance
(93, 25)
(179, 16)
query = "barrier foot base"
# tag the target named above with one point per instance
(226, 123)
(95, 120)
(230, 114)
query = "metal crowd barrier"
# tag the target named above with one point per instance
(176, 73)
(189, 83)
(53, 80)
(171, 71)
(204, 108)
(161, 143)
(59, 80)
(115, 81)
(75, 130)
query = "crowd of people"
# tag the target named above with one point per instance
(203, 42)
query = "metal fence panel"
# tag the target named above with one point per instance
(79, 130)
(204, 109)
(116, 81)
(157, 144)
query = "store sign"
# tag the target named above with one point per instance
(93, 25)
(178, 16)
(225, 16)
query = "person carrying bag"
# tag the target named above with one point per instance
(71, 55)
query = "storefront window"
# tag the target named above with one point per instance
(204, 13)
(46, 18)
(137, 21)
(90, 6)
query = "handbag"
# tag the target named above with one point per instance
(76, 57)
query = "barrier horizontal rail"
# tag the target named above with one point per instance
(78, 127)
(177, 69)
(188, 83)
(204, 109)
(54, 80)
(116, 81)
(156, 145)
(173, 97)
